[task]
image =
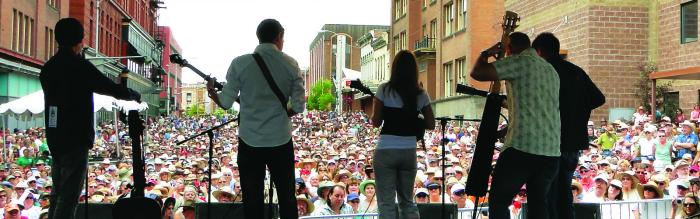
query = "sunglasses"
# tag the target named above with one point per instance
(689, 204)
(355, 201)
(433, 187)
(460, 193)
(660, 183)
(422, 195)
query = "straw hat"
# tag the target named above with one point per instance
(309, 205)
(577, 185)
(226, 190)
(307, 161)
(652, 186)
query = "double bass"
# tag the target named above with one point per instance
(478, 177)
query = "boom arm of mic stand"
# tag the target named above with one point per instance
(206, 131)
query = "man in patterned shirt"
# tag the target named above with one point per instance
(531, 153)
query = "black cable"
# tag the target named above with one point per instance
(368, 205)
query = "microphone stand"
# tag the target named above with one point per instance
(210, 134)
(443, 142)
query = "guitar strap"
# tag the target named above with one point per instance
(270, 80)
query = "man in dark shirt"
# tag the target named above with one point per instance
(69, 81)
(578, 95)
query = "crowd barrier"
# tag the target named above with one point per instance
(643, 209)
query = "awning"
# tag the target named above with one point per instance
(692, 73)
(350, 74)
(34, 104)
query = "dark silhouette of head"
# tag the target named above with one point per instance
(69, 32)
(547, 45)
(518, 42)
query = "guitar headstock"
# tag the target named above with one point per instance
(510, 22)
(177, 59)
(357, 84)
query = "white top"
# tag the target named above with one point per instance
(393, 99)
(646, 146)
(263, 121)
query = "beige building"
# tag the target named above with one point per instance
(196, 95)
(375, 65)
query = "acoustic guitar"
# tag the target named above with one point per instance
(480, 168)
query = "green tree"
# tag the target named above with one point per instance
(194, 110)
(321, 96)
(219, 112)
(667, 108)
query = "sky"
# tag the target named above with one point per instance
(211, 33)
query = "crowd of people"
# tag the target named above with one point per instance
(627, 161)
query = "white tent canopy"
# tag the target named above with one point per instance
(34, 104)
(351, 74)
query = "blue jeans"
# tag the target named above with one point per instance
(515, 168)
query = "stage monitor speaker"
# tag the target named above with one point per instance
(433, 210)
(228, 210)
(95, 210)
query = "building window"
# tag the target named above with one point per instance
(689, 21)
(53, 3)
(447, 70)
(50, 44)
(397, 45)
(461, 14)
(461, 71)
(433, 28)
(449, 17)
(22, 36)
(399, 8)
(404, 41)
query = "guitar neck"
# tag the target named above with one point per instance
(206, 77)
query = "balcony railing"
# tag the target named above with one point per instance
(425, 44)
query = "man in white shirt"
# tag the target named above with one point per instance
(265, 128)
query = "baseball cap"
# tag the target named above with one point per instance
(353, 196)
(617, 183)
(602, 177)
(422, 190)
(457, 187)
(684, 184)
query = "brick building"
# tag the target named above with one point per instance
(447, 37)
(170, 98)
(326, 54)
(611, 40)
(26, 42)
(126, 28)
